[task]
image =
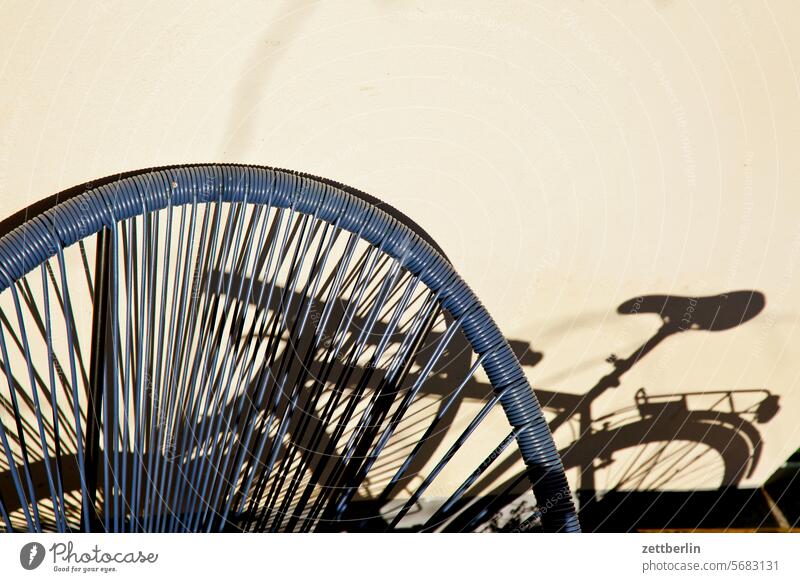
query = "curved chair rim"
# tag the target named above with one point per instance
(57, 223)
(40, 206)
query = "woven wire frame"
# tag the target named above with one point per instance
(239, 348)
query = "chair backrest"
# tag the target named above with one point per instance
(223, 347)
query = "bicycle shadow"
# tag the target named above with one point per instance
(732, 433)
(722, 428)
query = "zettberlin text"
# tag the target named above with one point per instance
(686, 548)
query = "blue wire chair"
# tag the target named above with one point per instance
(240, 348)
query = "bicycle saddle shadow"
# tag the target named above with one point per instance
(711, 313)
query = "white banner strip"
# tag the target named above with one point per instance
(406, 558)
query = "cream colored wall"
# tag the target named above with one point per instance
(566, 155)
